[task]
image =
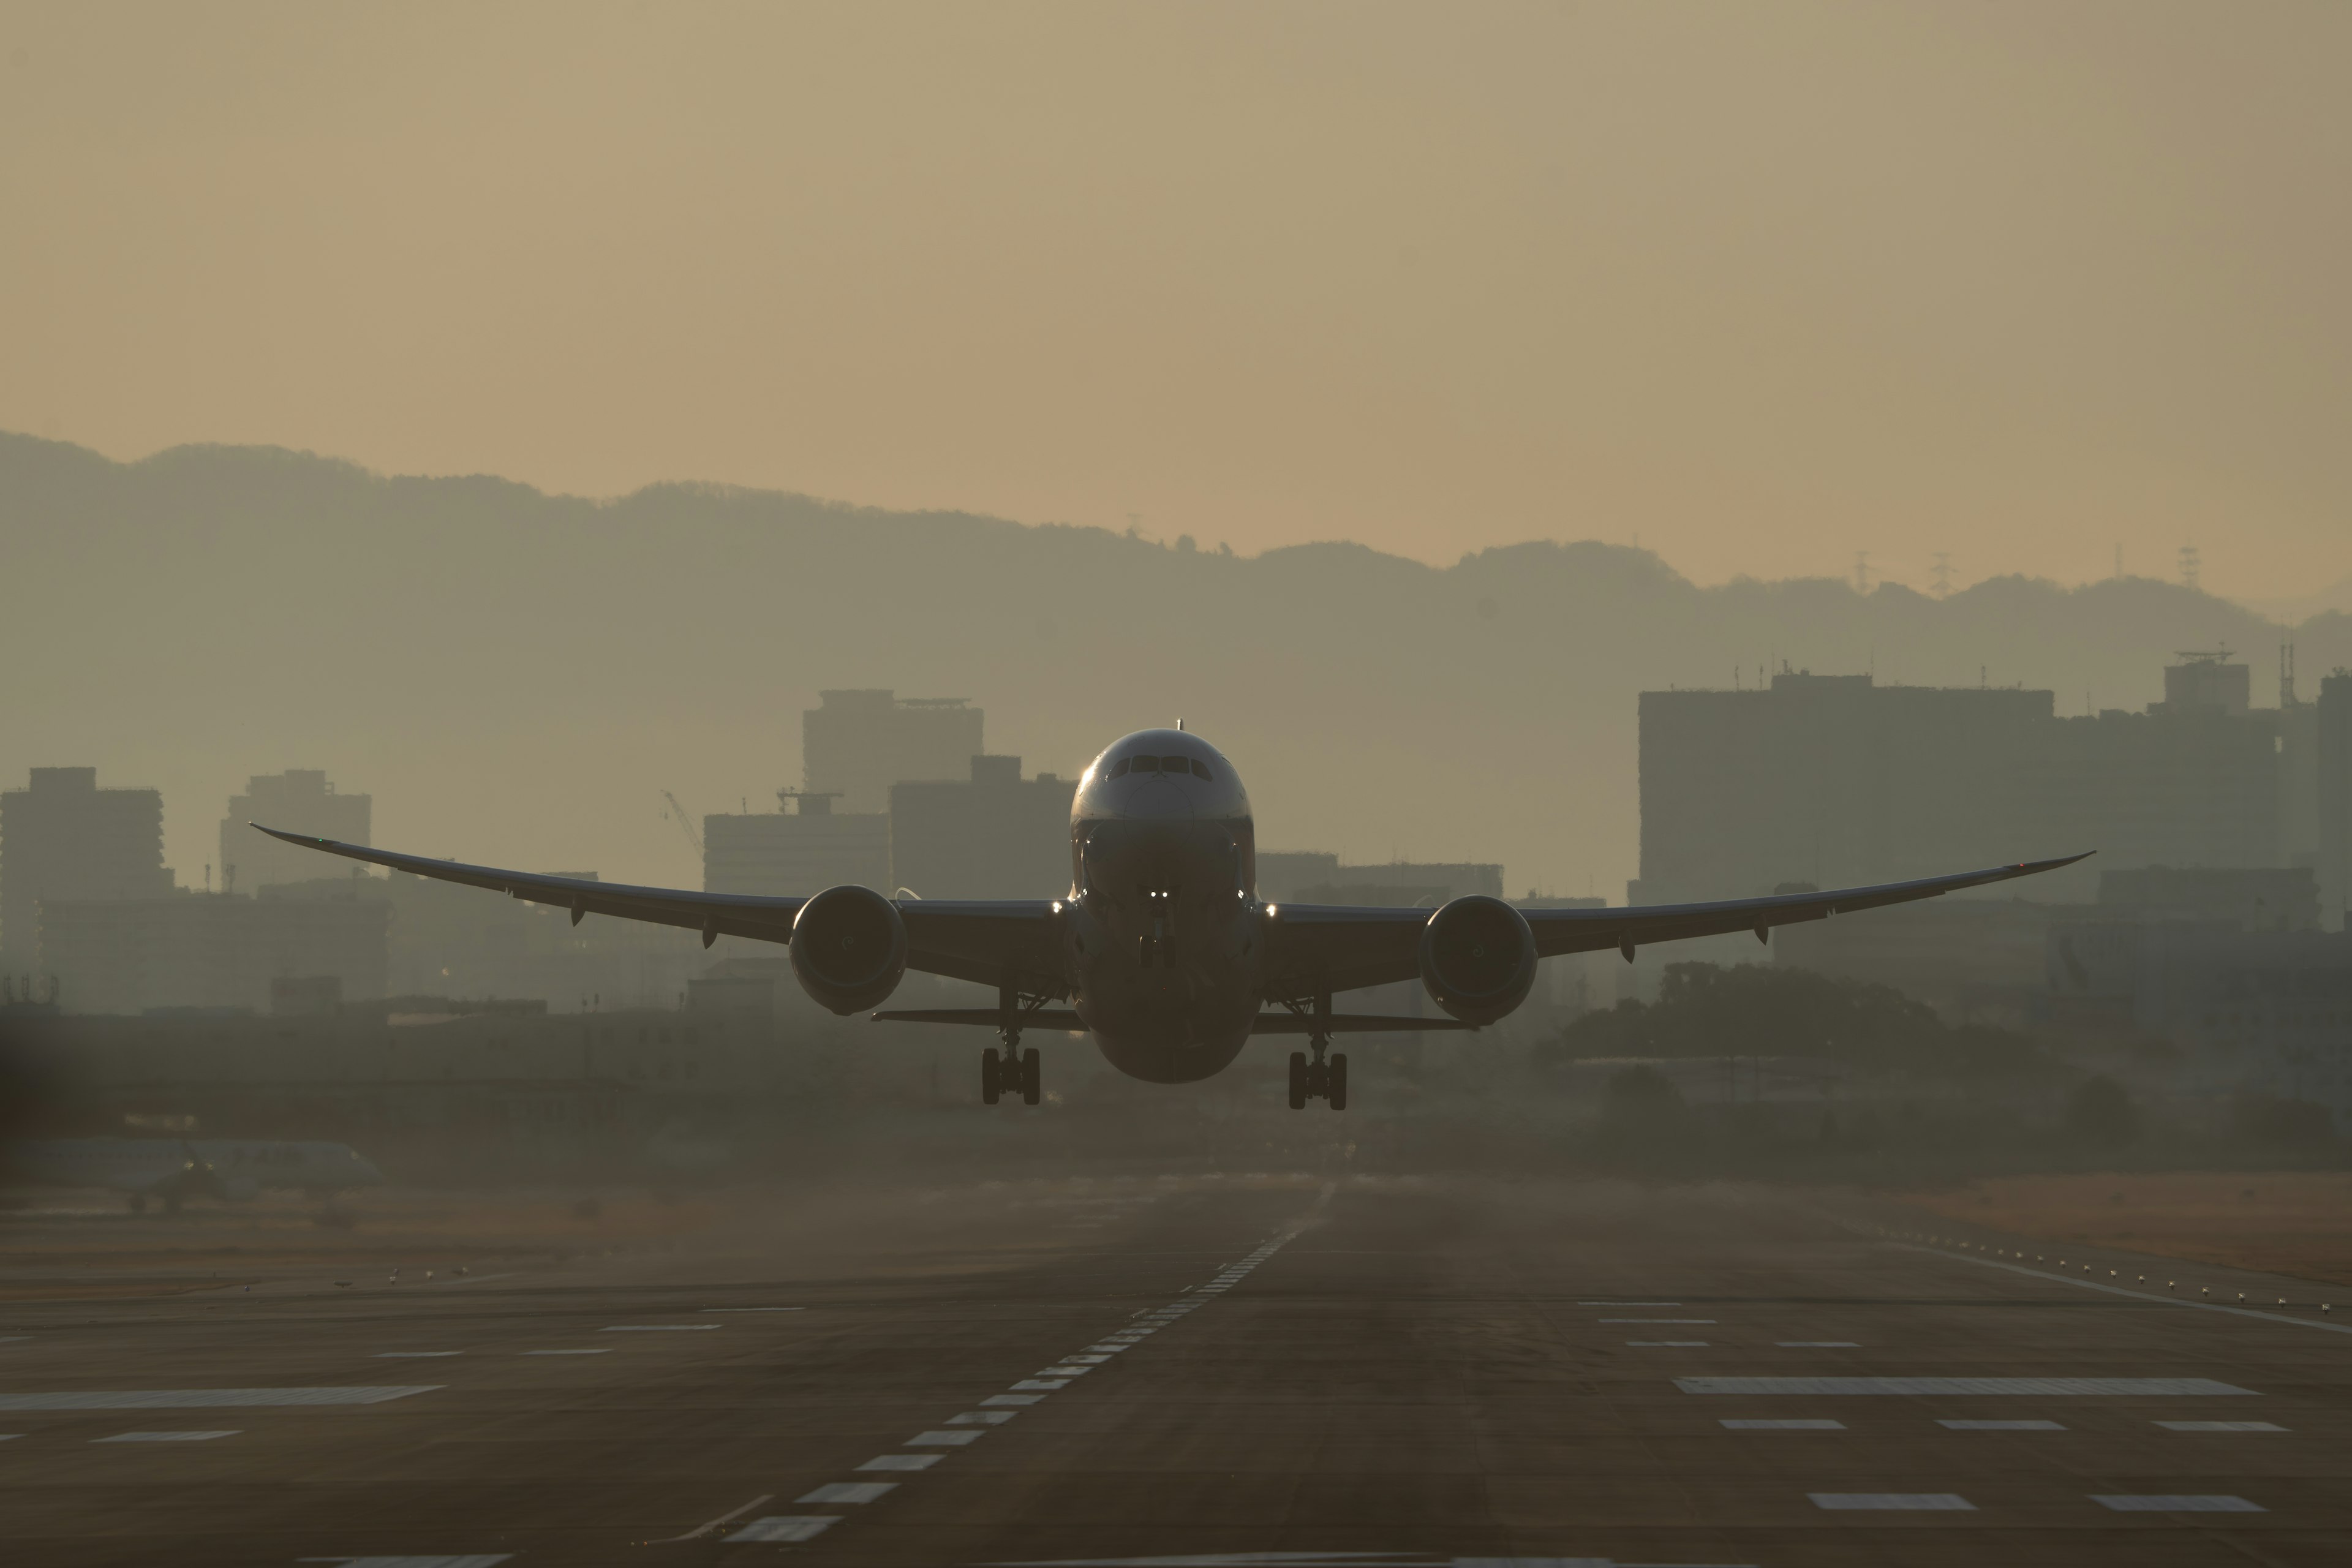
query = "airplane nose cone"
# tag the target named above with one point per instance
(1159, 799)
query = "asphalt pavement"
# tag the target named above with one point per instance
(1278, 1369)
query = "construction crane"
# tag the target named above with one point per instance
(676, 813)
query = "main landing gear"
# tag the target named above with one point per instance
(1322, 1078)
(1010, 1070)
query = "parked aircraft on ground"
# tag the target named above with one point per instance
(1161, 949)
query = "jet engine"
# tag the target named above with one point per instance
(1477, 958)
(849, 948)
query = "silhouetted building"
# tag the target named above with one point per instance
(800, 851)
(2332, 779)
(2253, 899)
(62, 837)
(1281, 873)
(299, 800)
(207, 950)
(1834, 780)
(856, 745)
(994, 834)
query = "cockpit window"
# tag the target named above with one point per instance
(1200, 769)
(1116, 768)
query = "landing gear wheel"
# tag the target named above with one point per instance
(991, 1077)
(1298, 1080)
(1030, 1077)
(1336, 1081)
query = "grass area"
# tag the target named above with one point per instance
(2291, 1223)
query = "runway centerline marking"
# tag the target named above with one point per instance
(2001, 1425)
(1666, 1345)
(164, 1436)
(1763, 1425)
(978, 1418)
(751, 1308)
(699, 1531)
(1904, 1502)
(942, 1439)
(2208, 1502)
(600, 1350)
(786, 1527)
(659, 1328)
(849, 1491)
(1694, 1321)
(901, 1462)
(413, 1355)
(467, 1559)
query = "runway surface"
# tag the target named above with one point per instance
(1271, 1369)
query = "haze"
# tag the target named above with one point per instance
(1759, 287)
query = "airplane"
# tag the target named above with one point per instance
(174, 1170)
(1161, 948)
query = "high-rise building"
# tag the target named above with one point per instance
(799, 851)
(300, 800)
(64, 837)
(994, 834)
(219, 950)
(856, 745)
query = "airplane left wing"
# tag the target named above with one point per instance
(1015, 940)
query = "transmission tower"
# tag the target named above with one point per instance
(1942, 583)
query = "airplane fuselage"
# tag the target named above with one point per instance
(1165, 931)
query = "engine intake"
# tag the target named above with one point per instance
(1477, 958)
(849, 948)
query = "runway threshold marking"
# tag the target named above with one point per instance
(846, 1492)
(209, 1398)
(2107, 1387)
(786, 1528)
(902, 1461)
(2126, 1290)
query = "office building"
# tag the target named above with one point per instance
(856, 745)
(300, 800)
(992, 835)
(200, 950)
(803, 846)
(62, 837)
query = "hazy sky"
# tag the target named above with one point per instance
(1763, 285)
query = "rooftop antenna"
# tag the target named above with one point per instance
(1861, 571)
(2287, 670)
(1179, 723)
(1943, 573)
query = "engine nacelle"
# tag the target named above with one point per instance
(1477, 958)
(849, 948)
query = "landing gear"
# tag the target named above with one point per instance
(1321, 1079)
(1010, 1070)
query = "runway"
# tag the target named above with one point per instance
(1279, 1370)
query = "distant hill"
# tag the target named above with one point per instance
(514, 675)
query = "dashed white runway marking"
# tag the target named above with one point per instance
(1093, 1360)
(9, 1437)
(944, 1440)
(164, 1436)
(2110, 1387)
(601, 1349)
(2003, 1425)
(208, 1398)
(981, 1418)
(1667, 1345)
(413, 1355)
(1064, 1370)
(786, 1527)
(1800, 1425)
(473, 1560)
(1041, 1384)
(1012, 1399)
(1896, 1502)
(2178, 1503)
(656, 1328)
(849, 1491)
(2220, 1426)
(900, 1462)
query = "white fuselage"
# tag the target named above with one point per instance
(1165, 930)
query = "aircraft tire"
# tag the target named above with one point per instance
(1298, 1080)
(1032, 1077)
(990, 1084)
(1337, 1092)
